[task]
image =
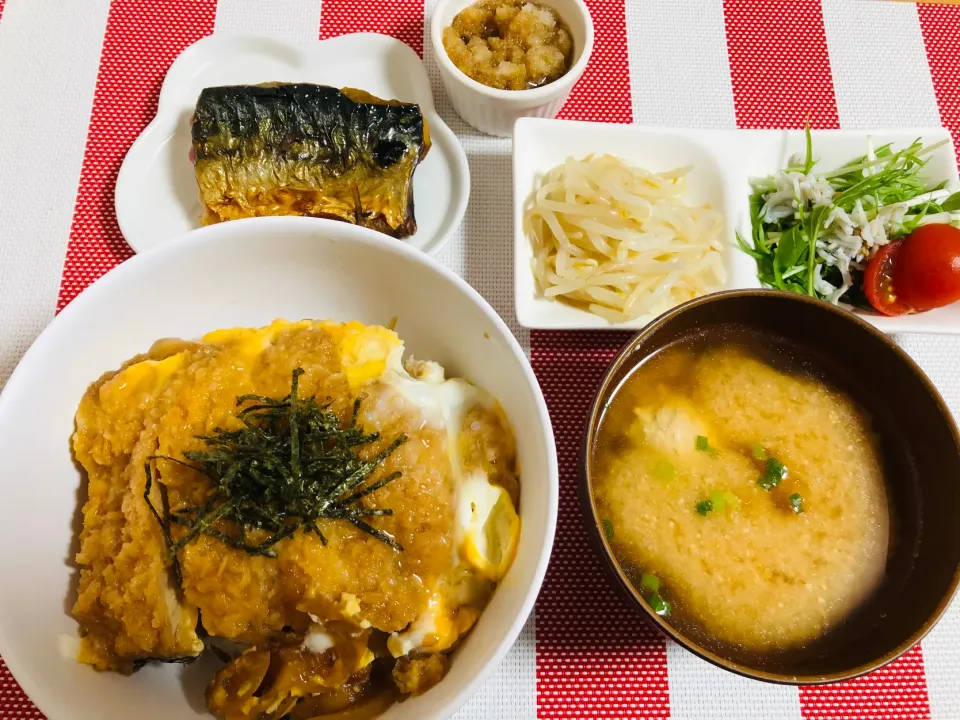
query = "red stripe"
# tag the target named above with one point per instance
(603, 93)
(940, 25)
(402, 19)
(780, 68)
(779, 64)
(595, 657)
(142, 38)
(896, 692)
(14, 703)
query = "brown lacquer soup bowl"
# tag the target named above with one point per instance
(917, 446)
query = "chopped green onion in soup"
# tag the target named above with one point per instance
(650, 582)
(774, 473)
(664, 471)
(660, 606)
(796, 503)
(607, 529)
(703, 445)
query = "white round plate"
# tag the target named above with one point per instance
(157, 197)
(236, 274)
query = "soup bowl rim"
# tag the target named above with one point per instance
(601, 544)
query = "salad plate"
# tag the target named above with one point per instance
(156, 195)
(723, 164)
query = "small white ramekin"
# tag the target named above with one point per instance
(495, 111)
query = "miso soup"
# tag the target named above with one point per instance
(743, 495)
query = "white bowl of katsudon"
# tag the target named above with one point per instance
(282, 468)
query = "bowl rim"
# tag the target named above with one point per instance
(615, 573)
(220, 234)
(544, 93)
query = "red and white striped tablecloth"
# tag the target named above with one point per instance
(79, 80)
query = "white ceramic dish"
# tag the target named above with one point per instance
(302, 268)
(495, 111)
(724, 161)
(156, 195)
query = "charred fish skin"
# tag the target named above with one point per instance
(304, 149)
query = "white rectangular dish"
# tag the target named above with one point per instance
(724, 161)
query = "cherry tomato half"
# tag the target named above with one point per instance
(878, 281)
(926, 272)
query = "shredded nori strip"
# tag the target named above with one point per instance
(291, 465)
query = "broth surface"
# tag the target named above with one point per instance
(685, 449)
